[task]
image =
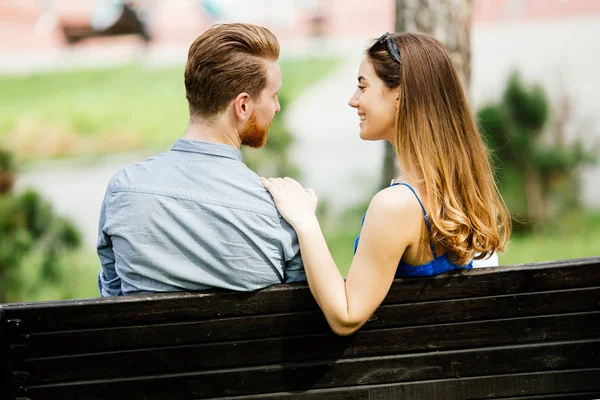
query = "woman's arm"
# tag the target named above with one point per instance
(347, 305)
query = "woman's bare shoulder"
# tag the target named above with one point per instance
(396, 202)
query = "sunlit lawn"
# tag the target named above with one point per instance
(113, 109)
(575, 237)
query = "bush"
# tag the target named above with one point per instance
(536, 165)
(28, 226)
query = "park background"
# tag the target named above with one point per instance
(86, 88)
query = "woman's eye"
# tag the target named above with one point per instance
(361, 88)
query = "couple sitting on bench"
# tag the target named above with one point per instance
(196, 218)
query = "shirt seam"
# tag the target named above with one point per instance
(231, 157)
(121, 189)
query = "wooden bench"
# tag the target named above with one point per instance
(518, 332)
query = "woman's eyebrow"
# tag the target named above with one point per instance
(362, 78)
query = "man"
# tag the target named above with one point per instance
(196, 217)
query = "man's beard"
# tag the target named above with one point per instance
(254, 134)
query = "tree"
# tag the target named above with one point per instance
(449, 21)
(28, 225)
(533, 157)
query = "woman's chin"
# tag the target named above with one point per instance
(364, 135)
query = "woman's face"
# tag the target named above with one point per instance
(376, 105)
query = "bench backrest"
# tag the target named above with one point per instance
(507, 332)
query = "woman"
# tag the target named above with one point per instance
(445, 209)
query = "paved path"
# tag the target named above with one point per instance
(76, 188)
(335, 161)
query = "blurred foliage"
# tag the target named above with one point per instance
(536, 165)
(28, 227)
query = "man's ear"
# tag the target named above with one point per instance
(241, 106)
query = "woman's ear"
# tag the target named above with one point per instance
(398, 95)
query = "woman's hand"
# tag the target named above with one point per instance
(296, 204)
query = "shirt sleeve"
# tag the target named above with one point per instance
(109, 282)
(294, 268)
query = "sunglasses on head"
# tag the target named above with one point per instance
(391, 46)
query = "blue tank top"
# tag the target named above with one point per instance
(438, 265)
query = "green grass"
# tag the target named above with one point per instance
(78, 279)
(100, 111)
(341, 246)
(575, 236)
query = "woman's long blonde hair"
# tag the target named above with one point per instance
(438, 142)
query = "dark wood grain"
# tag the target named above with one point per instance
(560, 384)
(507, 332)
(336, 373)
(134, 310)
(562, 396)
(313, 347)
(6, 372)
(304, 323)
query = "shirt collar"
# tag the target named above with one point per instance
(213, 149)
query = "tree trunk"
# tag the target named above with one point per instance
(449, 21)
(7, 180)
(534, 198)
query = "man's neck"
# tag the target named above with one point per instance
(218, 130)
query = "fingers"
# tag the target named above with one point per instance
(270, 185)
(265, 182)
(280, 183)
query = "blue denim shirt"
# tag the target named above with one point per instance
(193, 218)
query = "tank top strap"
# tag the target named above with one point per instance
(424, 213)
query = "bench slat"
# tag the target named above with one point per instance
(572, 396)
(135, 310)
(6, 375)
(246, 328)
(304, 376)
(561, 384)
(271, 351)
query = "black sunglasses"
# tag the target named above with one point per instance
(391, 46)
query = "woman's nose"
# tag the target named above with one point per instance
(353, 102)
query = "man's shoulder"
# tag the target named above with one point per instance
(222, 182)
(138, 172)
